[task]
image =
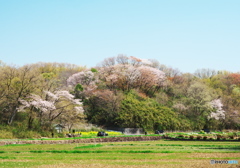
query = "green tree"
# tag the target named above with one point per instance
(199, 96)
(16, 83)
(103, 107)
(141, 112)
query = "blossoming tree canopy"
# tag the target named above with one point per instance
(83, 78)
(52, 101)
(152, 74)
(218, 112)
(36, 102)
(129, 76)
(53, 106)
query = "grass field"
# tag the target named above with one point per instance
(162, 153)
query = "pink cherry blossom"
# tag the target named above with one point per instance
(83, 78)
(218, 112)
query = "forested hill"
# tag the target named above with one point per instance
(120, 92)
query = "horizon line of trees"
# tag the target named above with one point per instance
(120, 91)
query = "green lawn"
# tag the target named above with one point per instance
(160, 153)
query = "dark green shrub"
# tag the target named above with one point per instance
(60, 135)
(219, 137)
(199, 137)
(180, 136)
(45, 134)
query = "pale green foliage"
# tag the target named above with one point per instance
(162, 98)
(236, 91)
(199, 97)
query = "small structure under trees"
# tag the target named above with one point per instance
(59, 128)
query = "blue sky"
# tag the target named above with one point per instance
(183, 34)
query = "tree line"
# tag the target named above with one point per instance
(120, 91)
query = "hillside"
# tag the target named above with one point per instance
(120, 92)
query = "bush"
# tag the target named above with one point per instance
(180, 136)
(45, 134)
(205, 138)
(191, 137)
(4, 134)
(94, 70)
(60, 135)
(219, 137)
(25, 134)
(199, 137)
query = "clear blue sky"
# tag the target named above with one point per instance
(183, 34)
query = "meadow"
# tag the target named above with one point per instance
(161, 153)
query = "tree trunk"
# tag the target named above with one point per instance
(30, 121)
(11, 118)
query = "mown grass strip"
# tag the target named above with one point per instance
(225, 146)
(169, 145)
(101, 151)
(7, 157)
(66, 151)
(185, 145)
(118, 151)
(17, 152)
(232, 147)
(89, 146)
(18, 145)
(146, 151)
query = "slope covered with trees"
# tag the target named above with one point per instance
(121, 92)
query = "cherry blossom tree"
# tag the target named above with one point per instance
(87, 79)
(151, 78)
(218, 112)
(83, 78)
(123, 76)
(52, 107)
(123, 59)
(35, 106)
(64, 103)
(134, 75)
(179, 107)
